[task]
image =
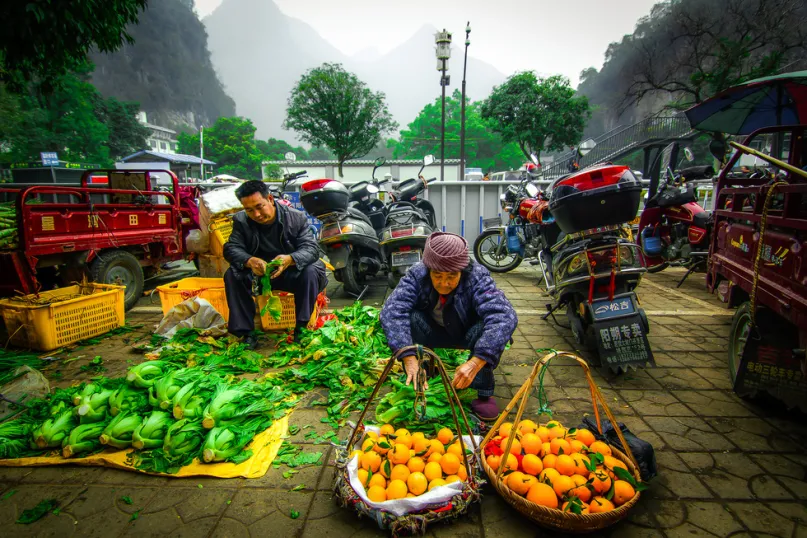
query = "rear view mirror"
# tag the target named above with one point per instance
(290, 156)
(532, 190)
(718, 149)
(380, 162)
(534, 158)
(586, 146)
(428, 159)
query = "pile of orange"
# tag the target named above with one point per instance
(565, 469)
(394, 464)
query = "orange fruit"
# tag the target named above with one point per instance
(377, 494)
(581, 491)
(369, 434)
(549, 461)
(462, 473)
(600, 448)
(400, 472)
(576, 446)
(450, 464)
(386, 468)
(599, 505)
(453, 478)
(600, 481)
(553, 423)
(401, 432)
(399, 454)
(623, 492)
(396, 490)
(445, 435)
(383, 445)
(563, 485)
(363, 476)
(546, 449)
(417, 483)
(584, 436)
(418, 435)
(515, 448)
(386, 429)
(512, 463)
(520, 482)
(410, 495)
(436, 457)
(420, 445)
(436, 483)
(370, 461)
(367, 445)
(416, 464)
(455, 449)
(580, 461)
(531, 443)
(493, 462)
(435, 447)
(565, 465)
(567, 507)
(532, 464)
(611, 462)
(558, 432)
(559, 446)
(527, 426)
(355, 453)
(543, 433)
(433, 470)
(548, 476)
(543, 495)
(505, 429)
(377, 480)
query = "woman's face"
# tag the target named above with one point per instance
(445, 283)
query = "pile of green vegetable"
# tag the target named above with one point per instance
(9, 238)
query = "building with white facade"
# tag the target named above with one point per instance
(161, 139)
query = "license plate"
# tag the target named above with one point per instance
(605, 309)
(491, 222)
(405, 258)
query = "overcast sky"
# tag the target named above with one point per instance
(548, 36)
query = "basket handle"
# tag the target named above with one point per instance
(423, 355)
(523, 395)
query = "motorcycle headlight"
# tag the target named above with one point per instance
(577, 265)
(347, 228)
(627, 256)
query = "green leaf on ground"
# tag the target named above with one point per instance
(135, 515)
(8, 494)
(36, 513)
(127, 500)
(294, 514)
(298, 487)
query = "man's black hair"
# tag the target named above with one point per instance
(251, 187)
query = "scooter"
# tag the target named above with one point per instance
(594, 267)
(347, 236)
(674, 229)
(408, 223)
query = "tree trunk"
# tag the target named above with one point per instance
(341, 160)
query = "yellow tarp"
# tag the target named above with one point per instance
(264, 448)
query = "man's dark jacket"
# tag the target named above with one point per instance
(295, 237)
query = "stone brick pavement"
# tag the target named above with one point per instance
(727, 467)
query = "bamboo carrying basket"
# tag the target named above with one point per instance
(416, 522)
(549, 517)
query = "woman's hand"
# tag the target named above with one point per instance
(411, 367)
(466, 372)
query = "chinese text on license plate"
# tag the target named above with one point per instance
(606, 309)
(405, 258)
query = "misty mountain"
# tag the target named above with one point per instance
(260, 54)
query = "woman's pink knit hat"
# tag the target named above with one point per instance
(446, 252)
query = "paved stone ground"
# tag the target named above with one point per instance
(727, 467)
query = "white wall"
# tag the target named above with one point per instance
(356, 173)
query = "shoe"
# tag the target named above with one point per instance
(251, 341)
(298, 331)
(485, 408)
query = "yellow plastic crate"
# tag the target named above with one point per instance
(220, 230)
(75, 313)
(210, 289)
(288, 318)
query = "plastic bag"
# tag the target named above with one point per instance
(197, 242)
(195, 313)
(400, 507)
(642, 450)
(30, 384)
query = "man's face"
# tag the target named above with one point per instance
(259, 208)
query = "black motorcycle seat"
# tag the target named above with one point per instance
(401, 213)
(355, 213)
(701, 220)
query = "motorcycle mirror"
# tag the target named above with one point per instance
(532, 190)
(534, 158)
(380, 162)
(586, 146)
(718, 149)
(290, 156)
(689, 155)
(372, 189)
(428, 159)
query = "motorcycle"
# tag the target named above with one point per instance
(408, 223)
(502, 248)
(594, 268)
(348, 236)
(674, 229)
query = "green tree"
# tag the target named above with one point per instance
(538, 114)
(331, 107)
(483, 148)
(275, 149)
(230, 143)
(126, 134)
(320, 154)
(44, 39)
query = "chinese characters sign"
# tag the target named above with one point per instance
(622, 342)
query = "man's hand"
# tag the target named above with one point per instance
(466, 372)
(257, 266)
(286, 261)
(411, 367)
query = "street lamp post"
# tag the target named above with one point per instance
(443, 51)
(462, 114)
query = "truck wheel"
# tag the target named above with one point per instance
(738, 336)
(121, 268)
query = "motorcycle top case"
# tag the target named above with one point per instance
(321, 196)
(602, 195)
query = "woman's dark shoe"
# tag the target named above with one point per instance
(251, 342)
(485, 408)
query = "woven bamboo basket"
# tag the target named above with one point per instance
(415, 522)
(549, 517)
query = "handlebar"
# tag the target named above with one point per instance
(431, 180)
(382, 181)
(295, 175)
